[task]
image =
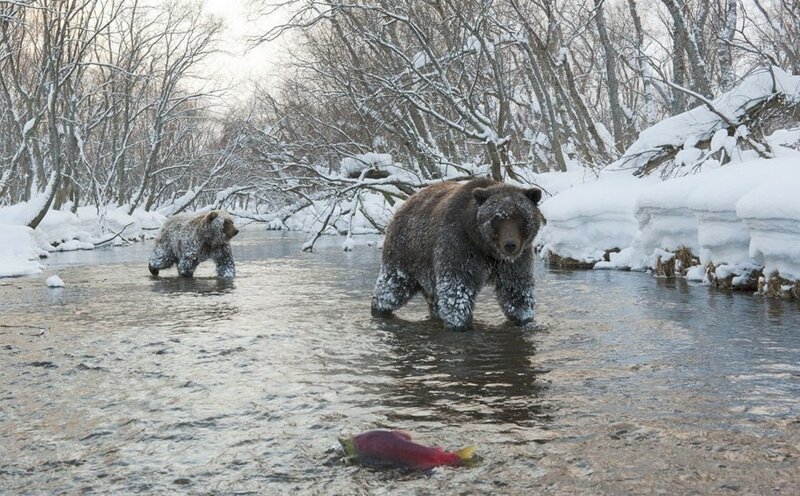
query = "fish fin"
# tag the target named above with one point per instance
(404, 434)
(466, 454)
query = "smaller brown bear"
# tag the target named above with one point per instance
(188, 239)
(450, 239)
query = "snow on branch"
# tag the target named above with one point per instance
(730, 127)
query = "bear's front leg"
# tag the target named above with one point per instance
(514, 289)
(225, 265)
(393, 289)
(187, 264)
(455, 300)
(160, 259)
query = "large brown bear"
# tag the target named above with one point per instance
(188, 239)
(450, 239)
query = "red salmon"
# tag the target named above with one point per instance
(395, 448)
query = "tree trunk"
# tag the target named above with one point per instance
(642, 67)
(724, 55)
(700, 81)
(617, 117)
(46, 200)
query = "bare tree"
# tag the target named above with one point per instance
(724, 47)
(617, 117)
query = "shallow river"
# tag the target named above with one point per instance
(121, 383)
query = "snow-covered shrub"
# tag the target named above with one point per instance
(727, 129)
(742, 276)
(378, 166)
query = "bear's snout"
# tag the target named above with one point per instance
(509, 238)
(230, 230)
(510, 248)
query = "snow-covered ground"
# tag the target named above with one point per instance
(589, 218)
(732, 220)
(699, 139)
(736, 217)
(23, 249)
(19, 255)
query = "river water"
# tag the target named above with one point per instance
(120, 383)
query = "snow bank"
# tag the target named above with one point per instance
(552, 183)
(54, 282)
(587, 220)
(665, 220)
(739, 217)
(723, 236)
(699, 212)
(18, 252)
(62, 230)
(772, 214)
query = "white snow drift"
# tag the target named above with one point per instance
(740, 215)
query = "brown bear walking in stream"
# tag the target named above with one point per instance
(188, 239)
(450, 239)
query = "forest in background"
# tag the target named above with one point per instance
(104, 102)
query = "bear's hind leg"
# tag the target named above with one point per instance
(187, 265)
(160, 259)
(393, 289)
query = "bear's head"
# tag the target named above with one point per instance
(221, 224)
(508, 218)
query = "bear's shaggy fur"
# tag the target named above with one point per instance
(450, 239)
(188, 239)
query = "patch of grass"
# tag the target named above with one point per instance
(776, 286)
(559, 262)
(742, 280)
(676, 266)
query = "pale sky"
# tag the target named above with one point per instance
(236, 65)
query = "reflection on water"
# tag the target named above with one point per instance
(480, 376)
(124, 383)
(198, 286)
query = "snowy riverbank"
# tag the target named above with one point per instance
(23, 249)
(697, 195)
(730, 223)
(727, 225)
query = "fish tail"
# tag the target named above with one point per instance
(466, 454)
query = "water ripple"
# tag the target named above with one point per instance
(124, 383)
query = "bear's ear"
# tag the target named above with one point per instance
(211, 216)
(534, 195)
(481, 195)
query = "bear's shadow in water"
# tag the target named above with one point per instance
(486, 375)
(186, 313)
(206, 286)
